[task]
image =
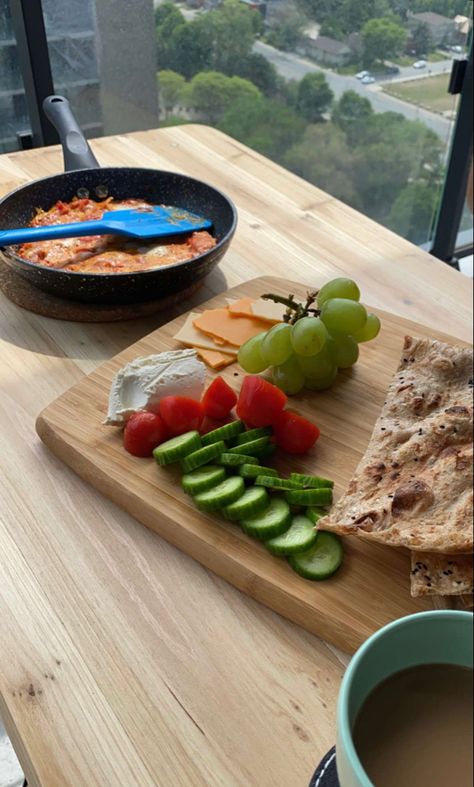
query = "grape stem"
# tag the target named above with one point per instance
(294, 310)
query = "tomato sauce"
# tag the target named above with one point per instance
(107, 253)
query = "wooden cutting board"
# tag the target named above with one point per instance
(372, 587)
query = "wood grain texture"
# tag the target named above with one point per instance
(168, 675)
(370, 590)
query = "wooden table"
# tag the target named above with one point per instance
(122, 661)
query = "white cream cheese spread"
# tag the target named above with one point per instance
(143, 382)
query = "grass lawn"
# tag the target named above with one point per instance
(428, 92)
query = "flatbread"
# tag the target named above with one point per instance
(444, 575)
(413, 487)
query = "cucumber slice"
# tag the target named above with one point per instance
(253, 434)
(300, 536)
(252, 502)
(203, 478)
(226, 432)
(252, 471)
(234, 460)
(315, 514)
(252, 448)
(320, 561)
(221, 495)
(310, 497)
(178, 447)
(203, 456)
(274, 483)
(311, 481)
(272, 522)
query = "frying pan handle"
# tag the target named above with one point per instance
(76, 150)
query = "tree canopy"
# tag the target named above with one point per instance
(170, 87)
(211, 93)
(383, 39)
(265, 125)
(314, 96)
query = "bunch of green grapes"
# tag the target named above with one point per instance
(307, 351)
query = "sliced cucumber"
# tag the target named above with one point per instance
(203, 478)
(252, 471)
(315, 514)
(226, 432)
(272, 522)
(320, 561)
(254, 501)
(300, 536)
(221, 495)
(310, 497)
(274, 483)
(234, 460)
(203, 456)
(310, 481)
(252, 448)
(178, 447)
(253, 434)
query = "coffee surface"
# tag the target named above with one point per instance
(416, 728)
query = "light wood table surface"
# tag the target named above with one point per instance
(122, 661)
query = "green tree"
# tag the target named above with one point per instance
(351, 113)
(170, 87)
(383, 39)
(314, 96)
(233, 27)
(264, 125)
(421, 41)
(413, 212)
(211, 93)
(189, 48)
(344, 16)
(260, 71)
(286, 32)
(167, 19)
(324, 158)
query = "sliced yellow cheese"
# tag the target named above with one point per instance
(216, 360)
(260, 309)
(219, 324)
(189, 335)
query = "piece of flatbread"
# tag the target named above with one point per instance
(444, 575)
(413, 487)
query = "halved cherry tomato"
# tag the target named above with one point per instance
(218, 399)
(293, 433)
(143, 432)
(181, 414)
(260, 402)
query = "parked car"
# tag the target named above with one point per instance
(420, 64)
(362, 75)
(392, 70)
(368, 80)
(458, 50)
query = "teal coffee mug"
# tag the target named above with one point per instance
(438, 637)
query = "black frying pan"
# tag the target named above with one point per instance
(84, 177)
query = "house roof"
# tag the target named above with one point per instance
(431, 18)
(331, 46)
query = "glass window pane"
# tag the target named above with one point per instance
(103, 59)
(13, 113)
(350, 95)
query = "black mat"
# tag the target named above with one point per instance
(325, 774)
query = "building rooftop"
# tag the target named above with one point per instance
(431, 18)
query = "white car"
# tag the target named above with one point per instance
(362, 75)
(420, 64)
(368, 80)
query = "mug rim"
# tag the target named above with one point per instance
(343, 701)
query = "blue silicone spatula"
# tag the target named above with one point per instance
(157, 222)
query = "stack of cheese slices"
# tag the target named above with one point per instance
(217, 334)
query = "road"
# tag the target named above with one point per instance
(292, 66)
